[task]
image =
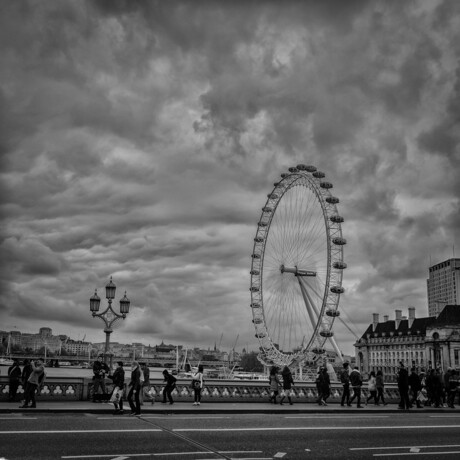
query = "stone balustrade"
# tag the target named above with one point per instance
(80, 389)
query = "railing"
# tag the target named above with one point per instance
(80, 389)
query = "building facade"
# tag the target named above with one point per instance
(443, 286)
(433, 341)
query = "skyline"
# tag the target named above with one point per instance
(139, 140)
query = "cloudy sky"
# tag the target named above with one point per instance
(139, 140)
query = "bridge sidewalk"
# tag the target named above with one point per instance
(62, 407)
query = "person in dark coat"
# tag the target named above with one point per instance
(135, 387)
(403, 387)
(345, 380)
(169, 387)
(380, 385)
(14, 379)
(324, 386)
(99, 371)
(118, 379)
(288, 381)
(26, 371)
(356, 382)
(415, 387)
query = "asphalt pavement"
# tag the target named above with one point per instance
(212, 407)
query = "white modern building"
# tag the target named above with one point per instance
(443, 286)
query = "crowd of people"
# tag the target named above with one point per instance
(416, 389)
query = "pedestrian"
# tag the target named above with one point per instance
(274, 384)
(415, 386)
(356, 383)
(134, 389)
(14, 379)
(445, 387)
(380, 385)
(26, 371)
(169, 387)
(34, 382)
(197, 382)
(118, 379)
(345, 380)
(100, 369)
(437, 383)
(288, 381)
(372, 388)
(403, 387)
(324, 386)
(452, 388)
(145, 384)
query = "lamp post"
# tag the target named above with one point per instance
(109, 316)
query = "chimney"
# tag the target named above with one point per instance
(375, 321)
(398, 318)
(411, 316)
(385, 318)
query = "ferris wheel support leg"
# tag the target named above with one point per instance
(336, 348)
(308, 303)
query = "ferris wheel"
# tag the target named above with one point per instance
(297, 267)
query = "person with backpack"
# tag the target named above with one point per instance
(288, 381)
(118, 379)
(169, 387)
(197, 382)
(356, 383)
(345, 380)
(135, 388)
(34, 382)
(14, 378)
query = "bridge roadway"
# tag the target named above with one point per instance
(82, 430)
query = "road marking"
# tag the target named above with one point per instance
(400, 454)
(78, 431)
(17, 418)
(444, 416)
(405, 447)
(336, 416)
(165, 454)
(163, 417)
(279, 455)
(414, 449)
(316, 428)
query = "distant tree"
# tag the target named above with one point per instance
(250, 363)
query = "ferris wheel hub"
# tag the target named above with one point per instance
(297, 271)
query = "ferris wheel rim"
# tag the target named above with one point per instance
(335, 265)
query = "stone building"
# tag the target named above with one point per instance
(417, 342)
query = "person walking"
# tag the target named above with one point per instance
(274, 384)
(288, 381)
(169, 387)
(403, 387)
(356, 383)
(118, 379)
(324, 386)
(145, 384)
(345, 380)
(452, 388)
(134, 389)
(415, 386)
(380, 385)
(99, 370)
(35, 380)
(372, 388)
(14, 379)
(197, 379)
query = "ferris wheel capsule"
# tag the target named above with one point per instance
(318, 174)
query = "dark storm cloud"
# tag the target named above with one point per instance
(140, 140)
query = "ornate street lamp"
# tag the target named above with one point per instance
(109, 316)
